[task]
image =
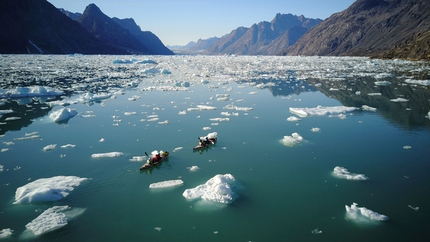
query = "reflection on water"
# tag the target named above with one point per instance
(410, 112)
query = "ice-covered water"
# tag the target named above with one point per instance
(302, 141)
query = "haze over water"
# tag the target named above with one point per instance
(283, 125)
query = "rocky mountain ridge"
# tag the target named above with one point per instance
(264, 38)
(376, 28)
(37, 27)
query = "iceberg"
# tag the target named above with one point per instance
(52, 219)
(292, 140)
(63, 115)
(47, 189)
(344, 173)
(321, 111)
(107, 155)
(49, 147)
(218, 189)
(5, 233)
(362, 214)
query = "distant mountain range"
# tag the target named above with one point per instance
(264, 38)
(37, 27)
(374, 28)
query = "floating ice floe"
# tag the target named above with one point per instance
(177, 149)
(315, 129)
(382, 83)
(49, 147)
(34, 91)
(63, 115)
(219, 119)
(321, 111)
(67, 146)
(218, 189)
(344, 173)
(52, 219)
(414, 208)
(316, 231)
(293, 119)
(47, 189)
(138, 158)
(90, 97)
(201, 108)
(362, 214)
(107, 155)
(193, 168)
(399, 99)
(5, 233)
(165, 184)
(292, 140)
(368, 108)
(419, 82)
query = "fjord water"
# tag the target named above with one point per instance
(284, 193)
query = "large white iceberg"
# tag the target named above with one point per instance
(344, 173)
(362, 214)
(47, 189)
(63, 114)
(218, 189)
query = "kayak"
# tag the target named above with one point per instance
(207, 145)
(150, 163)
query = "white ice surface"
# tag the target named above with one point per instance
(218, 189)
(292, 140)
(53, 218)
(321, 111)
(5, 233)
(362, 214)
(47, 189)
(33, 91)
(165, 184)
(344, 173)
(107, 155)
(63, 114)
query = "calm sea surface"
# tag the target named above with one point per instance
(285, 193)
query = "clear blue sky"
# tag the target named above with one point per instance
(177, 22)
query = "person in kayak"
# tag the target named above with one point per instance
(201, 142)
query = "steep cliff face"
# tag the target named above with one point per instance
(264, 38)
(37, 27)
(108, 31)
(150, 40)
(366, 28)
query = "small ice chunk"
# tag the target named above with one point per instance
(63, 115)
(138, 158)
(315, 129)
(344, 173)
(407, 147)
(5, 233)
(177, 149)
(368, 108)
(292, 140)
(47, 189)
(397, 100)
(293, 119)
(68, 146)
(414, 208)
(321, 111)
(165, 184)
(362, 214)
(193, 168)
(316, 231)
(49, 147)
(102, 140)
(107, 155)
(218, 189)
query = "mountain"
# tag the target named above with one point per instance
(110, 32)
(149, 39)
(36, 26)
(73, 16)
(264, 38)
(369, 28)
(202, 44)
